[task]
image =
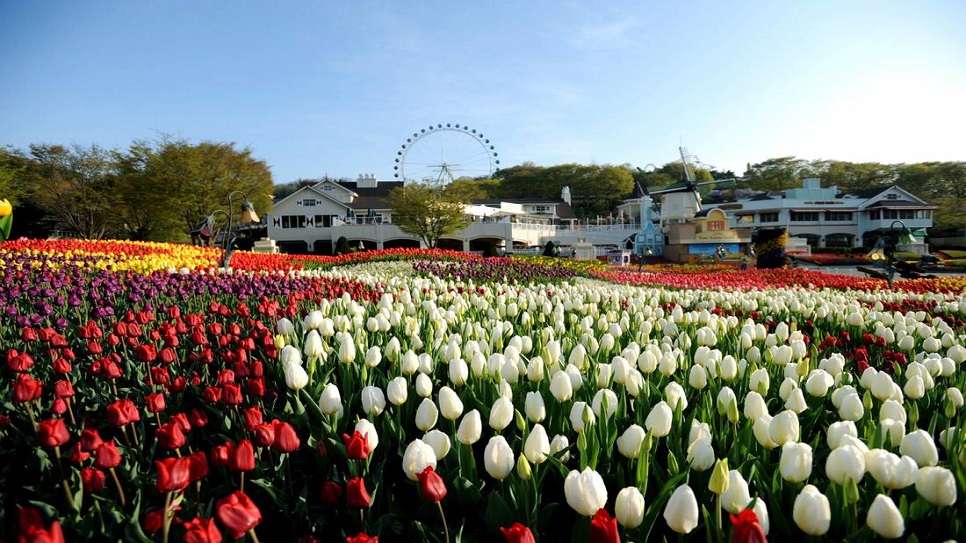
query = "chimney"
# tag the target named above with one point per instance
(366, 181)
(565, 195)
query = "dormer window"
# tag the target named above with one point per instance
(892, 196)
(328, 188)
(310, 202)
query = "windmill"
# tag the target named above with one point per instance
(682, 201)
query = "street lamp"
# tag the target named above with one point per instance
(248, 216)
(884, 251)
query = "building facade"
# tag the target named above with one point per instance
(826, 218)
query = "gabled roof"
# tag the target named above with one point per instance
(300, 193)
(381, 189)
(865, 194)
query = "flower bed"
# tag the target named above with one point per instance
(361, 400)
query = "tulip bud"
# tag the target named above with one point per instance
(658, 421)
(629, 508)
(470, 428)
(501, 414)
(719, 477)
(450, 404)
(585, 491)
(629, 443)
(331, 400)
(498, 458)
(812, 512)
(426, 415)
(523, 468)
(681, 512)
(884, 518)
(398, 391)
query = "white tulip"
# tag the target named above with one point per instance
(398, 391)
(561, 387)
(498, 458)
(892, 409)
(811, 511)
(658, 421)
(796, 401)
(331, 400)
(884, 518)
(681, 512)
(313, 345)
(818, 383)
(845, 462)
(701, 454)
(698, 377)
(290, 356)
(851, 408)
(736, 497)
(373, 401)
(501, 413)
(347, 349)
(424, 385)
(936, 485)
(295, 376)
(426, 415)
(920, 446)
(784, 427)
(762, 431)
(534, 406)
(560, 443)
(604, 396)
(470, 428)
(439, 441)
(796, 462)
(629, 443)
(675, 396)
(459, 372)
(537, 446)
(585, 491)
(418, 456)
(893, 431)
(580, 415)
(368, 430)
(754, 406)
(629, 507)
(889, 470)
(450, 404)
(373, 356)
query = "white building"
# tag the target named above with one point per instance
(313, 218)
(827, 218)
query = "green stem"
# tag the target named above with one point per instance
(443, 516)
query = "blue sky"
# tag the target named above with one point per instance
(316, 88)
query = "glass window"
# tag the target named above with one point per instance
(768, 217)
(838, 216)
(804, 216)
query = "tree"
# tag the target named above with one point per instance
(595, 190)
(181, 183)
(778, 174)
(76, 187)
(851, 176)
(428, 211)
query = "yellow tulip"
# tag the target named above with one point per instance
(5, 208)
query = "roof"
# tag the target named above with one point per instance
(865, 194)
(381, 189)
(896, 204)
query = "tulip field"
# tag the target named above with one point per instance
(413, 395)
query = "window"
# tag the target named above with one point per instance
(838, 216)
(715, 225)
(293, 221)
(875, 215)
(768, 217)
(310, 202)
(328, 188)
(541, 210)
(804, 216)
(323, 221)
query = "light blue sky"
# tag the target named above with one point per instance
(317, 87)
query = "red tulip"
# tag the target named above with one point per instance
(198, 465)
(197, 417)
(106, 456)
(59, 407)
(356, 446)
(238, 514)
(52, 433)
(30, 527)
(746, 528)
(212, 394)
(167, 355)
(181, 420)
(356, 495)
(90, 439)
(361, 538)
(170, 436)
(92, 479)
(231, 394)
(26, 389)
(286, 440)
(173, 474)
(145, 353)
(264, 435)
(154, 402)
(518, 533)
(153, 522)
(603, 528)
(201, 530)
(331, 493)
(78, 454)
(431, 485)
(28, 335)
(63, 389)
(253, 418)
(221, 454)
(19, 362)
(243, 457)
(122, 412)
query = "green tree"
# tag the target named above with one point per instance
(595, 190)
(850, 176)
(427, 211)
(180, 184)
(76, 188)
(778, 174)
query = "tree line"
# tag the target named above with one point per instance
(152, 191)
(162, 189)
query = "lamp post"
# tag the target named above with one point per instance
(884, 251)
(248, 216)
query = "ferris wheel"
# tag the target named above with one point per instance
(442, 153)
